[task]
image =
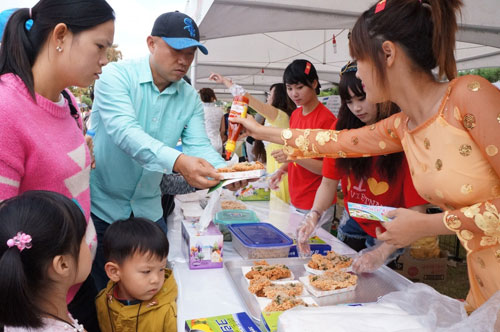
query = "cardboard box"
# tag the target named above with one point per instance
(269, 321)
(255, 191)
(318, 246)
(204, 250)
(239, 322)
(419, 270)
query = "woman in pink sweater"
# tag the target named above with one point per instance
(44, 50)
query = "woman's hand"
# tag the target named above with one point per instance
(218, 78)
(279, 155)
(90, 144)
(252, 127)
(406, 227)
(274, 181)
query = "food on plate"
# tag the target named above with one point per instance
(242, 167)
(331, 261)
(232, 205)
(331, 280)
(290, 289)
(257, 285)
(272, 272)
(282, 302)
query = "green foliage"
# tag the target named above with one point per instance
(86, 100)
(328, 92)
(491, 74)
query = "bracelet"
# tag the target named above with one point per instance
(314, 211)
(287, 134)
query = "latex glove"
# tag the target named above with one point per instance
(306, 228)
(371, 259)
(275, 179)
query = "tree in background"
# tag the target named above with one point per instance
(491, 74)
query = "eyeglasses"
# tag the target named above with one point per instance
(351, 66)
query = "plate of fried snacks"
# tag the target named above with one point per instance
(263, 287)
(330, 262)
(330, 282)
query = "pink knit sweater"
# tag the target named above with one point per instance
(41, 148)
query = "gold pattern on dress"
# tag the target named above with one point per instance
(471, 211)
(439, 164)
(342, 154)
(495, 190)
(491, 150)
(286, 134)
(307, 132)
(474, 86)
(498, 117)
(428, 198)
(323, 137)
(466, 189)
(397, 122)
(354, 140)
(424, 167)
(382, 145)
(392, 133)
(302, 143)
(439, 193)
(489, 221)
(456, 113)
(487, 241)
(479, 281)
(467, 235)
(497, 254)
(373, 126)
(452, 221)
(412, 172)
(334, 134)
(427, 143)
(465, 150)
(366, 155)
(469, 121)
(314, 149)
(481, 262)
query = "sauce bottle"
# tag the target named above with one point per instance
(238, 109)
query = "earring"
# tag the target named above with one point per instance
(59, 49)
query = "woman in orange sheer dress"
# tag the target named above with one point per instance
(449, 131)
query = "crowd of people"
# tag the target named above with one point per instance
(83, 243)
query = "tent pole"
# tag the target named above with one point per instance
(194, 68)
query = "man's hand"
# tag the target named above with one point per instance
(279, 155)
(196, 171)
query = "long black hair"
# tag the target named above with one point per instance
(57, 226)
(281, 100)
(21, 46)
(303, 72)
(387, 165)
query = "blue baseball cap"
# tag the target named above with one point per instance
(4, 18)
(178, 30)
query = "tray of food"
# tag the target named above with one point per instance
(244, 170)
(341, 289)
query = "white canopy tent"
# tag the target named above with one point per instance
(253, 41)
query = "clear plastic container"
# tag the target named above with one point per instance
(225, 218)
(260, 240)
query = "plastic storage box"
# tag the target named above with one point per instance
(260, 240)
(227, 217)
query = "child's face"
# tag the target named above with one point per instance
(141, 277)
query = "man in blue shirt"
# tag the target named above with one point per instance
(141, 109)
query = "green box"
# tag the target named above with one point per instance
(239, 322)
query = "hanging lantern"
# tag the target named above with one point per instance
(334, 43)
(262, 71)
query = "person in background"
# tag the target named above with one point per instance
(448, 131)
(213, 117)
(43, 253)
(141, 293)
(141, 109)
(45, 49)
(277, 111)
(381, 180)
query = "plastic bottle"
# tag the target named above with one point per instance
(238, 109)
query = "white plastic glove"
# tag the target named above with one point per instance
(237, 90)
(275, 179)
(307, 227)
(371, 259)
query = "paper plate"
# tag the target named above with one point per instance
(319, 272)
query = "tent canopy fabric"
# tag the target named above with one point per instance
(253, 41)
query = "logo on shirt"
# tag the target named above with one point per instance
(189, 27)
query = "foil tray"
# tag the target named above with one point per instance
(370, 285)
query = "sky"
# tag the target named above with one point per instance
(134, 20)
